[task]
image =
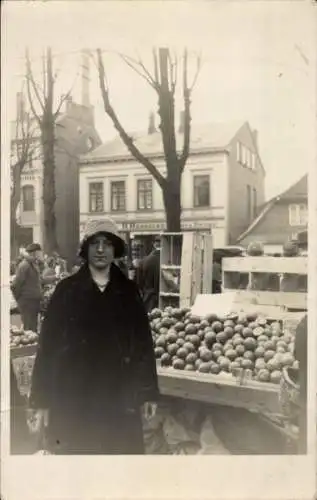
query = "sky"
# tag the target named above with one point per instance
(258, 64)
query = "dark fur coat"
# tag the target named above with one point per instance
(95, 366)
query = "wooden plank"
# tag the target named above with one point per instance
(166, 262)
(24, 351)
(216, 390)
(187, 270)
(288, 300)
(171, 267)
(207, 263)
(196, 266)
(169, 294)
(272, 312)
(298, 265)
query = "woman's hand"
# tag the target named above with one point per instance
(149, 410)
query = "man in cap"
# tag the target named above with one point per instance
(27, 289)
(95, 366)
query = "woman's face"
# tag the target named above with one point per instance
(100, 252)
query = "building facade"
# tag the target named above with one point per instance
(284, 217)
(223, 158)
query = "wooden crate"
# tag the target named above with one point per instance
(216, 389)
(188, 258)
(23, 351)
(251, 278)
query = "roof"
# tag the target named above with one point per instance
(203, 137)
(299, 189)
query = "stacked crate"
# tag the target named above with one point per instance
(186, 268)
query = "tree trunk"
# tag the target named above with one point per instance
(49, 196)
(14, 201)
(172, 204)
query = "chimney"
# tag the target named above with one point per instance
(20, 106)
(151, 129)
(85, 78)
(181, 122)
(255, 137)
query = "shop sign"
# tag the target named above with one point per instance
(159, 226)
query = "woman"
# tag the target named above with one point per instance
(49, 274)
(95, 367)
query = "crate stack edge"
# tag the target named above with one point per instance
(188, 256)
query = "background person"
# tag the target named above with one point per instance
(49, 273)
(27, 287)
(60, 264)
(95, 364)
(148, 277)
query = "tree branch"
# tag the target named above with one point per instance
(44, 75)
(198, 68)
(49, 98)
(128, 141)
(156, 70)
(31, 81)
(133, 64)
(187, 117)
(35, 114)
(146, 71)
(64, 98)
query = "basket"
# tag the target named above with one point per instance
(289, 393)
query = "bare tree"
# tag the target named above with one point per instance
(41, 97)
(164, 82)
(23, 147)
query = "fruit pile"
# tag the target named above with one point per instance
(48, 292)
(214, 344)
(19, 337)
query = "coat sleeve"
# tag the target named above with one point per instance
(49, 342)
(19, 279)
(146, 374)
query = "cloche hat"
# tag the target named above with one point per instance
(108, 227)
(33, 247)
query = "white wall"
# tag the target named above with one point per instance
(214, 165)
(34, 219)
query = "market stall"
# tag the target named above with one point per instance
(219, 368)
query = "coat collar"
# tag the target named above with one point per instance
(84, 281)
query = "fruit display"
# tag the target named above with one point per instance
(232, 344)
(48, 291)
(21, 338)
